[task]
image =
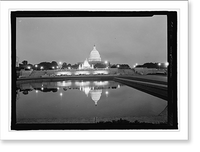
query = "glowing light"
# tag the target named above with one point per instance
(64, 73)
(100, 72)
(57, 67)
(61, 94)
(29, 67)
(86, 83)
(58, 88)
(106, 92)
(82, 73)
(53, 67)
(106, 62)
(36, 65)
(69, 68)
(166, 64)
(60, 63)
(41, 67)
(42, 88)
(36, 91)
(118, 86)
(118, 66)
(98, 83)
(136, 64)
(159, 64)
(64, 84)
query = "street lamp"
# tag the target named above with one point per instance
(60, 65)
(159, 64)
(106, 93)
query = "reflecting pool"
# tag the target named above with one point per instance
(78, 101)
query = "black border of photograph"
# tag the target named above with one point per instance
(118, 125)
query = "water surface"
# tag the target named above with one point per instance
(85, 102)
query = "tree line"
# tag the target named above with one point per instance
(152, 65)
(54, 65)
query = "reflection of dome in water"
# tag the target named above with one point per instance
(95, 95)
(94, 55)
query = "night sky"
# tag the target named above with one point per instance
(125, 40)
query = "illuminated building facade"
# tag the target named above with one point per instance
(94, 55)
(87, 67)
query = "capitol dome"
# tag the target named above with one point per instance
(94, 55)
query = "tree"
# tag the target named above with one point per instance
(100, 65)
(25, 62)
(113, 66)
(75, 66)
(54, 63)
(124, 66)
(64, 65)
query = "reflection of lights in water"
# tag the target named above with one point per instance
(86, 90)
(64, 83)
(82, 72)
(86, 83)
(36, 91)
(106, 93)
(95, 95)
(101, 83)
(100, 72)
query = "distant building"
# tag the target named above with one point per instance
(93, 61)
(94, 56)
(86, 65)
